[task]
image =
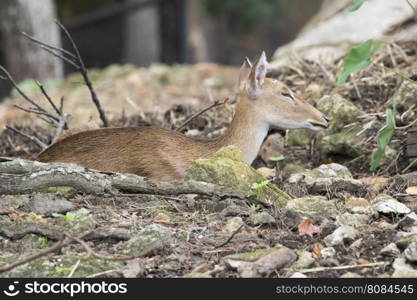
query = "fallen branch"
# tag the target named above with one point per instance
(321, 269)
(19, 176)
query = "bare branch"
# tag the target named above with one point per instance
(29, 137)
(193, 116)
(76, 61)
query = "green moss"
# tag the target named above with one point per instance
(227, 168)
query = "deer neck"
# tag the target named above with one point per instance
(247, 131)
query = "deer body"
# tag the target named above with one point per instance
(165, 155)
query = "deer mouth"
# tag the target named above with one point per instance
(319, 125)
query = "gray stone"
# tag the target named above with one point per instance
(262, 218)
(410, 252)
(403, 270)
(355, 220)
(316, 208)
(305, 260)
(388, 205)
(340, 111)
(327, 252)
(234, 224)
(151, 239)
(48, 204)
(341, 235)
(347, 142)
(390, 250)
(326, 177)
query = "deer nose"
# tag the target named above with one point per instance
(326, 118)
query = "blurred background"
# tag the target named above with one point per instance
(142, 32)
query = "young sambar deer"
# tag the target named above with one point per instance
(164, 155)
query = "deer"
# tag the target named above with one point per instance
(165, 155)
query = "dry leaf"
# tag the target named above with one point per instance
(306, 227)
(162, 218)
(317, 250)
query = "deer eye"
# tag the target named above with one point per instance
(287, 95)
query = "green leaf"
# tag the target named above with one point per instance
(260, 186)
(277, 158)
(358, 59)
(384, 137)
(356, 4)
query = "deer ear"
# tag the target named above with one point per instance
(257, 77)
(244, 72)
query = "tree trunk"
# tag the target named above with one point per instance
(197, 41)
(22, 58)
(142, 44)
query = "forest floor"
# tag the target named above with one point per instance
(362, 224)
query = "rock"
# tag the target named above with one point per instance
(236, 210)
(332, 176)
(234, 224)
(134, 268)
(346, 142)
(410, 252)
(341, 235)
(316, 208)
(273, 146)
(227, 168)
(355, 220)
(340, 111)
(262, 218)
(260, 263)
(305, 260)
(47, 204)
(266, 172)
(328, 252)
(359, 206)
(290, 169)
(351, 275)
(408, 222)
(298, 275)
(298, 137)
(386, 204)
(375, 183)
(151, 239)
(403, 270)
(390, 250)
(388, 156)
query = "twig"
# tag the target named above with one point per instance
(29, 137)
(321, 269)
(91, 252)
(63, 242)
(230, 238)
(193, 116)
